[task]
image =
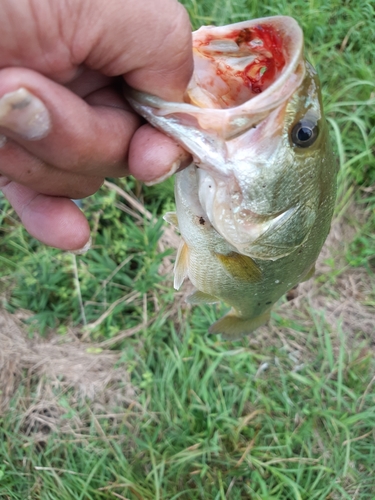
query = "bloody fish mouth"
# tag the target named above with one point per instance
(241, 74)
(239, 65)
(244, 71)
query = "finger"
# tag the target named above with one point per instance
(153, 156)
(4, 181)
(57, 222)
(24, 168)
(150, 43)
(60, 128)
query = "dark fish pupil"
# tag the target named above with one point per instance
(304, 134)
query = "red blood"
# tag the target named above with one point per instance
(265, 42)
(207, 41)
(261, 73)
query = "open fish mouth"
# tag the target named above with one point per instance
(242, 72)
(237, 64)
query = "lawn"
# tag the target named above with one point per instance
(111, 387)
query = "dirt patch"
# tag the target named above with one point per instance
(342, 298)
(56, 374)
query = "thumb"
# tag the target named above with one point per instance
(150, 44)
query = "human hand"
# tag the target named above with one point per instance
(64, 121)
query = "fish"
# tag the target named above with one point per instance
(255, 206)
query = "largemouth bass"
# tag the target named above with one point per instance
(255, 206)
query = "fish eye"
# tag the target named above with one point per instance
(304, 133)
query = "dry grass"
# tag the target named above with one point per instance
(341, 300)
(55, 370)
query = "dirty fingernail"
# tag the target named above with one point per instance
(25, 114)
(179, 164)
(84, 249)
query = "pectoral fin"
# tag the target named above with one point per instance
(181, 265)
(171, 218)
(232, 327)
(199, 297)
(240, 267)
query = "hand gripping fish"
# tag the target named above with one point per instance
(255, 206)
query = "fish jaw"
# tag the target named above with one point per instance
(239, 138)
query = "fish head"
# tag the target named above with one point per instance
(253, 121)
(274, 176)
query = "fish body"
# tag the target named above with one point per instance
(255, 206)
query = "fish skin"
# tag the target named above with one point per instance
(253, 209)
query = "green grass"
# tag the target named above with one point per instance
(289, 415)
(220, 421)
(124, 259)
